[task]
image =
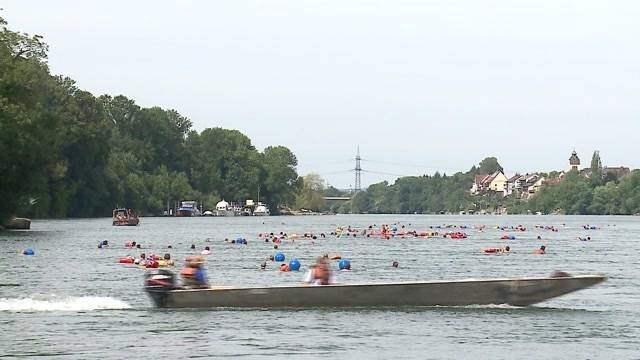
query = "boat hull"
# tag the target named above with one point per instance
(516, 292)
(127, 222)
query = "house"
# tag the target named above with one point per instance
(478, 185)
(514, 185)
(496, 182)
(535, 186)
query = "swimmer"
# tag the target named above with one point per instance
(193, 246)
(167, 258)
(395, 264)
(206, 251)
(540, 251)
(263, 266)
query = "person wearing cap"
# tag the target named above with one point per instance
(193, 274)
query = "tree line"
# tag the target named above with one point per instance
(591, 192)
(67, 153)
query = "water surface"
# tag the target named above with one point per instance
(75, 300)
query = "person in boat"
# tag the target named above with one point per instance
(540, 251)
(319, 274)
(193, 274)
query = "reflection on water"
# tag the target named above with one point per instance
(76, 300)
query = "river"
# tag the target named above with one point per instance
(77, 301)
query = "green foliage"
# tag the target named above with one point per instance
(280, 179)
(577, 194)
(310, 196)
(419, 194)
(596, 169)
(64, 152)
(489, 166)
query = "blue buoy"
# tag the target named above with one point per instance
(28, 251)
(344, 264)
(294, 265)
(279, 257)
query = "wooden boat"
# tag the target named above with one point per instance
(514, 291)
(17, 224)
(124, 217)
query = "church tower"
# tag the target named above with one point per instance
(574, 162)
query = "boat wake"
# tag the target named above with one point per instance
(72, 303)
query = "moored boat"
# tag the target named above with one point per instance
(188, 208)
(124, 217)
(513, 291)
(261, 210)
(223, 208)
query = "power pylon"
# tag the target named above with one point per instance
(358, 185)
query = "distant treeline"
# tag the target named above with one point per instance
(574, 194)
(66, 153)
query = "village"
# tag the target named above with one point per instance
(527, 185)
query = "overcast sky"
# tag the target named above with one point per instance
(419, 85)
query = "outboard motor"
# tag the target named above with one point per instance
(158, 283)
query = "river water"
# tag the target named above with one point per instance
(76, 301)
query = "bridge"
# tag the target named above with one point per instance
(337, 198)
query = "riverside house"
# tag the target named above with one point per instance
(496, 183)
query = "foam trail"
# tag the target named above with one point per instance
(72, 303)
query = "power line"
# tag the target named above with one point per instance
(336, 172)
(385, 173)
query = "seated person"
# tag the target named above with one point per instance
(319, 274)
(193, 274)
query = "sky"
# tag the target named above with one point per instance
(419, 86)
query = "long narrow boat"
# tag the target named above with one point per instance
(515, 291)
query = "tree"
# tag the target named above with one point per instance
(489, 165)
(280, 176)
(28, 146)
(224, 162)
(596, 169)
(310, 196)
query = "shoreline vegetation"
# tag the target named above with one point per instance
(65, 153)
